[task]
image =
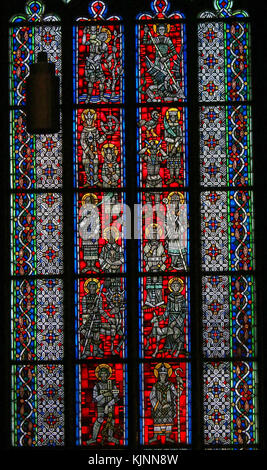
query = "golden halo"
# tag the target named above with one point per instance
(109, 145)
(111, 229)
(93, 198)
(181, 196)
(90, 280)
(158, 366)
(86, 111)
(173, 109)
(152, 226)
(108, 34)
(176, 279)
(167, 27)
(103, 366)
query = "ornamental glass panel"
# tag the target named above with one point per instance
(227, 228)
(37, 328)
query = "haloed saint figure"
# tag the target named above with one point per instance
(164, 399)
(105, 395)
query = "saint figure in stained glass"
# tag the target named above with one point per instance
(105, 395)
(101, 331)
(165, 317)
(89, 138)
(111, 256)
(153, 154)
(89, 234)
(165, 79)
(175, 313)
(164, 399)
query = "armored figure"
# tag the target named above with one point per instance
(163, 398)
(153, 155)
(105, 395)
(103, 66)
(154, 253)
(98, 54)
(116, 303)
(165, 82)
(111, 257)
(89, 231)
(90, 137)
(176, 314)
(174, 139)
(110, 169)
(154, 292)
(91, 311)
(176, 230)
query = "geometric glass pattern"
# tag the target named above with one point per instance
(229, 316)
(37, 405)
(36, 231)
(36, 160)
(37, 330)
(37, 319)
(101, 309)
(225, 145)
(227, 228)
(230, 392)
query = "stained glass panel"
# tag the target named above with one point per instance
(162, 175)
(98, 149)
(25, 43)
(227, 223)
(225, 145)
(99, 62)
(99, 219)
(229, 316)
(230, 391)
(101, 317)
(36, 244)
(164, 317)
(36, 233)
(100, 244)
(162, 149)
(37, 319)
(37, 405)
(224, 65)
(165, 232)
(161, 57)
(227, 230)
(102, 406)
(36, 160)
(165, 402)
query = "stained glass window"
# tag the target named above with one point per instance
(227, 224)
(36, 244)
(152, 342)
(100, 256)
